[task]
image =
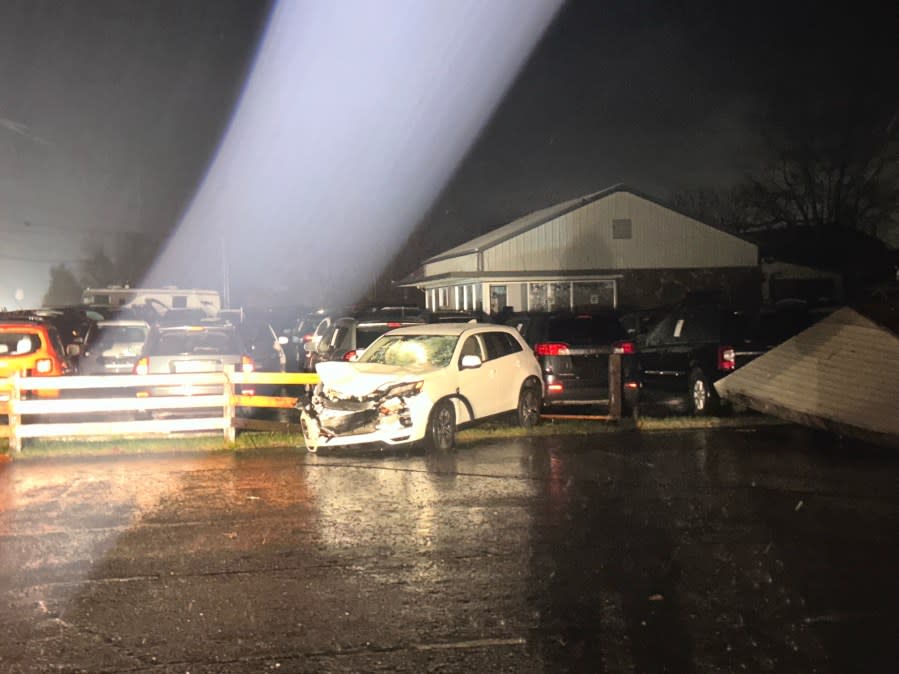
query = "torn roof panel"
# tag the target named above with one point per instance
(842, 372)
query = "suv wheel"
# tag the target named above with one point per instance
(529, 405)
(703, 399)
(441, 432)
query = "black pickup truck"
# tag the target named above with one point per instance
(689, 348)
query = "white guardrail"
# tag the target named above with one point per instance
(64, 412)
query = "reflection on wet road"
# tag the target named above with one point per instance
(701, 551)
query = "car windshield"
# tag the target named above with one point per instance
(412, 350)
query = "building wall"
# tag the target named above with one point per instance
(583, 239)
(655, 255)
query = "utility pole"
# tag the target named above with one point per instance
(226, 281)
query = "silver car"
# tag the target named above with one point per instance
(191, 349)
(112, 347)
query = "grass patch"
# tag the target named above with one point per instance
(691, 423)
(254, 440)
(550, 427)
(175, 443)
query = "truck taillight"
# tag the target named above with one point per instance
(43, 366)
(625, 348)
(727, 358)
(142, 366)
(551, 349)
(247, 364)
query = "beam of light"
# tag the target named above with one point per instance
(353, 118)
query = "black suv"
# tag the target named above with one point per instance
(692, 346)
(573, 350)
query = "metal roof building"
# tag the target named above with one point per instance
(612, 248)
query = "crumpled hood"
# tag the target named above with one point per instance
(360, 379)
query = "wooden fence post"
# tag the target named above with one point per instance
(15, 419)
(615, 390)
(230, 431)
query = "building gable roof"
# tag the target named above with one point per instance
(540, 217)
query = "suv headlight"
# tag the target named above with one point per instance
(404, 390)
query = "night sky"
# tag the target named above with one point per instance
(111, 112)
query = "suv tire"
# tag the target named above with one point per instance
(441, 432)
(529, 404)
(702, 396)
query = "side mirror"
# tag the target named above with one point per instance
(470, 362)
(308, 347)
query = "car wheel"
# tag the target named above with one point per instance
(441, 432)
(703, 399)
(529, 405)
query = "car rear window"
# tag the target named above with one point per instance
(219, 342)
(365, 336)
(584, 331)
(19, 343)
(119, 334)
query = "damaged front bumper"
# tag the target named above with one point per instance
(385, 417)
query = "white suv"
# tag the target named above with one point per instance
(420, 382)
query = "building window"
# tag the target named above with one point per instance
(497, 299)
(592, 295)
(621, 229)
(537, 297)
(549, 296)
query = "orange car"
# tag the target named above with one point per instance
(32, 348)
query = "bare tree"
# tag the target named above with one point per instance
(826, 179)
(726, 208)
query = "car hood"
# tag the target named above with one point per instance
(361, 379)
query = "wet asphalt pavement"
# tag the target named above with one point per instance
(771, 550)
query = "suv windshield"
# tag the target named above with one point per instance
(412, 350)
